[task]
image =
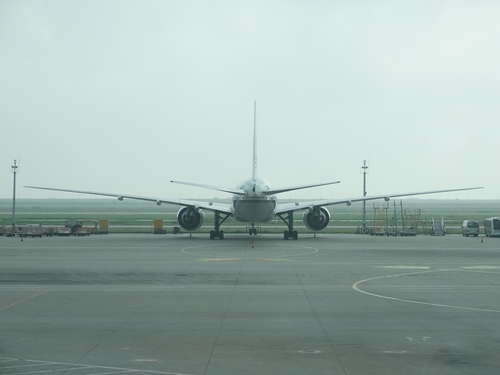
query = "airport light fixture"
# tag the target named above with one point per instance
(14, 171)
(364, 170)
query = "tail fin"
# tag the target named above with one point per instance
(254, 170)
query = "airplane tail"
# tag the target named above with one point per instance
(254, 167)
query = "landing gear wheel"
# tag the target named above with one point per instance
(219, 218)
(290, 234)
(217, 234)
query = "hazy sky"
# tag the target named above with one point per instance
(124, 96)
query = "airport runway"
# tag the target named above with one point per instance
(332, 304)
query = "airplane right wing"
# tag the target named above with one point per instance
(294, 206)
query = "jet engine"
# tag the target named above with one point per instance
(190, 218)
(316, 219)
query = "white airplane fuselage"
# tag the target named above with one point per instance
(254, 206)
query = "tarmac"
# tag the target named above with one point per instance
(174, 304)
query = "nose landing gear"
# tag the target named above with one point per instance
(252, 230)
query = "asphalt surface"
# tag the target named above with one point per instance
(332, 304)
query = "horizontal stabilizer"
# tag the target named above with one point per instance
(292, 188)
(218, 188)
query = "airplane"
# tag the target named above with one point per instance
(254, 201)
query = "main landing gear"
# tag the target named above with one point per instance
(288, 220)
(218, 220)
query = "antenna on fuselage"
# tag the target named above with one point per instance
(254, 170)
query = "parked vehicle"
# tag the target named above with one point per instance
(12, 231)
(470, 228)
(492, 227)
(33, 230)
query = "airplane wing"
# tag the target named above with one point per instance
(287, 207)
(207, 205)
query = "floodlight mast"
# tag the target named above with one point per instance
(364, 169)
(14, 170)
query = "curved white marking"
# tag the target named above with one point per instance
(355, 286)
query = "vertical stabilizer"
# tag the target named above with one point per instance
(254, 170)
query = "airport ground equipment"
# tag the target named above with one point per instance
(77, 228)
(411, 222)
(12, 231)
(103, 226)
(492, 227)
(437, 227)
(63, 231)
(158, 227)
(49, 231)
(33, 230)
(380, 221)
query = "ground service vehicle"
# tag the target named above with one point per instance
(437, 227)
(470, 228)
(492, 227)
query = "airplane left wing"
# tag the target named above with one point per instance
(207, 205)
(294, 206)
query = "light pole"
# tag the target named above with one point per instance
(364, 170)
(14, 170)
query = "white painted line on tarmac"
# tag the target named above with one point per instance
(356, 287)
(405, 267)
(23, 300)
(2, 360)
(73, 367)
(37, 364)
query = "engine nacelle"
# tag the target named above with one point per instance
(190, 218)
(316, 219)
